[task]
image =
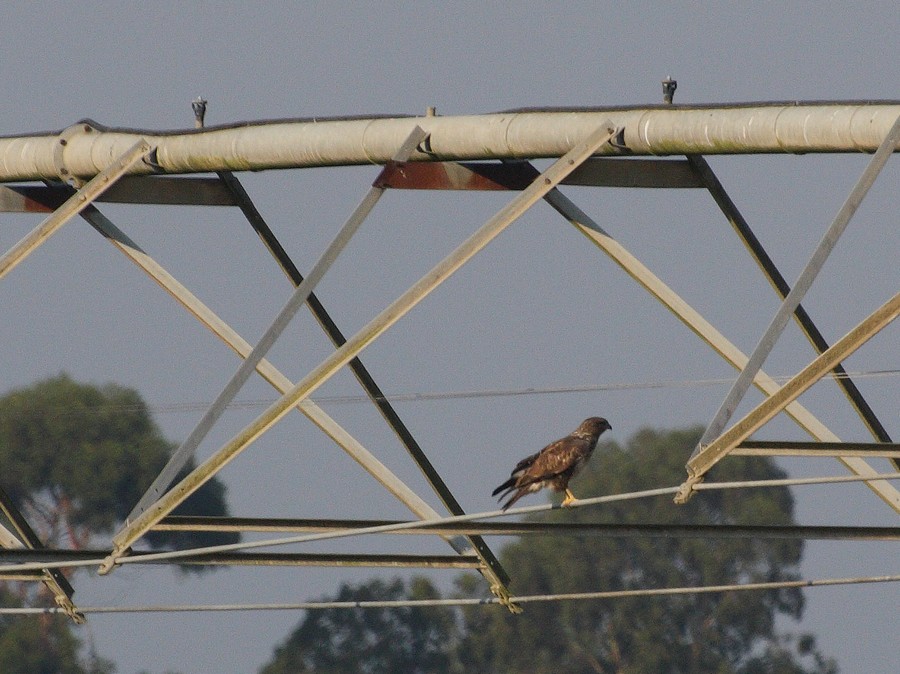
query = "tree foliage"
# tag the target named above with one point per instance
(77, 457)
(413, 640)
(726, 633)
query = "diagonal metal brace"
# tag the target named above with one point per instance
(74, 205)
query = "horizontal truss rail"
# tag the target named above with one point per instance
(242, 524)
(838, 449)
(159, 191)
(595, 172)
(480, 601)
(647, 493)
(471, 517)
(189, 191)
(24, 577)
(842, 533)
(259, 559)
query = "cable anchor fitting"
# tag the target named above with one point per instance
(502, 594)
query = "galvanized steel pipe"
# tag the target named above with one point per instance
(86, 148)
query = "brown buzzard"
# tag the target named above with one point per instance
(555, 464)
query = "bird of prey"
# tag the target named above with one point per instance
(555, 464)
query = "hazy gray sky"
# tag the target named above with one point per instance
(538, 308)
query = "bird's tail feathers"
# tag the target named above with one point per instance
(507, 486)
(515, 497)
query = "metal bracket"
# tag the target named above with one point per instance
(59, 152)
(502, 593)
(686, 489)
(67, 607)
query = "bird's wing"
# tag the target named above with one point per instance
(525, 463)
(514, 476)
(555, 459)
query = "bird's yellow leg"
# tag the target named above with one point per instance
(570, 498)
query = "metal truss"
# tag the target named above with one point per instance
(53, 579)
(677, 174)
(302, 390)
(334, 529)
(710, 454)
(429, 154)
(713, 445)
